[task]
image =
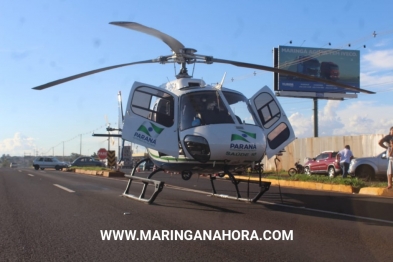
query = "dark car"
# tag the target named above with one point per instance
(86, 161)
(324, 163)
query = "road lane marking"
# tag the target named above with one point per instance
(64, 188)
(30, 175)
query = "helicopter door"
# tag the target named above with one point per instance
(151, 119)
(275, 124)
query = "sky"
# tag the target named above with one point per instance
(45, 40)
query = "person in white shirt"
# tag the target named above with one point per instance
(390, 164)
(345, 156)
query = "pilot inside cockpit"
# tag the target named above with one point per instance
(203, 108)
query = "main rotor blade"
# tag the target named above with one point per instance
(286, 72)
(63, 80)
(174, 44)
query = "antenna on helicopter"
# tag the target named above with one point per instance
(219, 86)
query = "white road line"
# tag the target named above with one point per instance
(30, 175)
(64, 188)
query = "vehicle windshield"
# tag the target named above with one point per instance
(203, 108)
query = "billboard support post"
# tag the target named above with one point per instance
(315, 117)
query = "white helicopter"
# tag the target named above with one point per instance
(191, 127)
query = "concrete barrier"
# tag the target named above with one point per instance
(376, 191)
(113, 174)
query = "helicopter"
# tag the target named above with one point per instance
(190, 127)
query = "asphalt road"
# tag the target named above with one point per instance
(51, 215)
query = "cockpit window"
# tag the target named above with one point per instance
(240, 108)
(203, 108)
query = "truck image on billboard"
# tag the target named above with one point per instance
(336, 65)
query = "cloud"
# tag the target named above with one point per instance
(301, 125)
(379, 60)
(356, 118)
(17, 145)
(376, 69)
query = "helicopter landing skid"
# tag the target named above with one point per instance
(264, 186)
(158, 186)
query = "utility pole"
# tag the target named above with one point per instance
(63, 150)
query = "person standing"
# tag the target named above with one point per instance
(390, 163)
(384, 142)
(345, 156)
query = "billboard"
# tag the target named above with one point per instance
(337, 65)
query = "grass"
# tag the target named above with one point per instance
(354, 182)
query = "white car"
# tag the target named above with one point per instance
(48, 162)
(368, 168)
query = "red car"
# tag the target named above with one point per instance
(324, 163)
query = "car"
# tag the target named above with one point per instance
(86, 161)
(148, 165)
(13, 165)
(368, 168)
(324, 163)
(48, 162)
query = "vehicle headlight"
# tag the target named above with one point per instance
(198, 148)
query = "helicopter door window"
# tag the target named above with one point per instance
(269, 113)
(277, 135)
(155, 105)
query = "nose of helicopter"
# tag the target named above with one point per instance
(225, 142)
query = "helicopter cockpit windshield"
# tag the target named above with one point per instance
(208, 108)
(203, 108)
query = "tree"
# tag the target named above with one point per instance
(5, 160)
(74, 156)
